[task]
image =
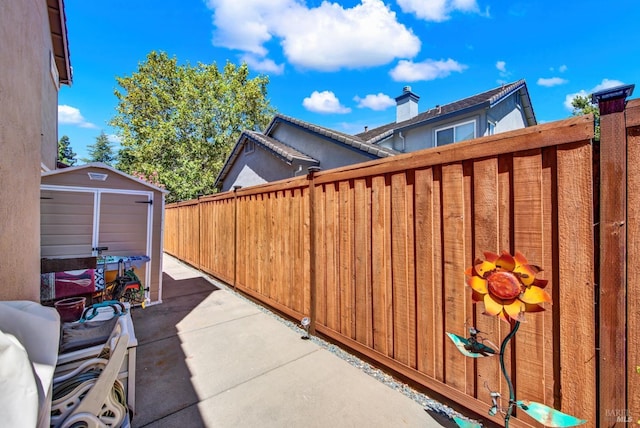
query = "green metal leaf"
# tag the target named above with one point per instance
(464, 423)
(548, 416)
(471, 348)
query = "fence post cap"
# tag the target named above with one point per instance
(612, 100)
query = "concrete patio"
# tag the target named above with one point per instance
(207, 357)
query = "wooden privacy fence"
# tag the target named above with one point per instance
(375, 254)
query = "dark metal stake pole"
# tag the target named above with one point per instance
(512, 394)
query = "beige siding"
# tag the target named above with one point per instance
(123, 226)
(66, 223)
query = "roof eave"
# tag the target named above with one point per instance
(59, 40)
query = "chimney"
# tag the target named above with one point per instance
(406, 105)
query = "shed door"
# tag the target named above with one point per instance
(123, 225)
(66, 223)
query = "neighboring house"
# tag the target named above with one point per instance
(501, 109)
(35, 62)
(289, 146)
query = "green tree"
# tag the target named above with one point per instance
(101, 150)
(181, 121)
(583, 105)
(65, 153)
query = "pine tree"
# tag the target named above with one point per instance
(583, 105)
(65, 153)
(101, 151)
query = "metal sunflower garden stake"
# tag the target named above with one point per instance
(508, 287)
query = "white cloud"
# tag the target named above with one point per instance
(68, 115)
(562, 68)
(605, 84)
(114, 138)
(328, 37)
(376, 102)
(501, 66)
(409, 71)
(263, 65)
(551, 81)
(324, 102)
(438, 10)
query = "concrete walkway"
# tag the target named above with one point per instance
(209, 358)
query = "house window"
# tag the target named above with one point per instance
(491, 128)
(249, 147)
(455, 133)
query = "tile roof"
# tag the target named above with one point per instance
(287, 153)
(488, 98)
(335, 136)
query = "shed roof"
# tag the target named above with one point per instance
(100, 165)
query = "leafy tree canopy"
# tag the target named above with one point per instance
(181, 121)
(65, 153)
(101, 150)
(583, 105)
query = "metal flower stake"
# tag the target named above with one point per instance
(508, 288)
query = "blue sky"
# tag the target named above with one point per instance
(341, 64)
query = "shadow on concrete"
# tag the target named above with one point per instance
(163, 380)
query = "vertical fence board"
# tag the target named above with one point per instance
(399, 233)
(550, 345)
(633, 274)
(454, 266)
(527, 225)
(425, 327)
(307, 236)
(261, 210)
(438, 275)
(486, 230)
(424, 265)
(297, 249)
(362, 260)
(379, 259)
(333, 298)
(411, 271)
(576, 288)
(469, 309)
(345, 262)
(505, 227)
(322, 239)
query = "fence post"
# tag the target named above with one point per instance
(613, 241)
(632, 119)
(235, 233)
(199, 234)
(312, 247)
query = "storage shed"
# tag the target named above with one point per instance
(94, 206)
